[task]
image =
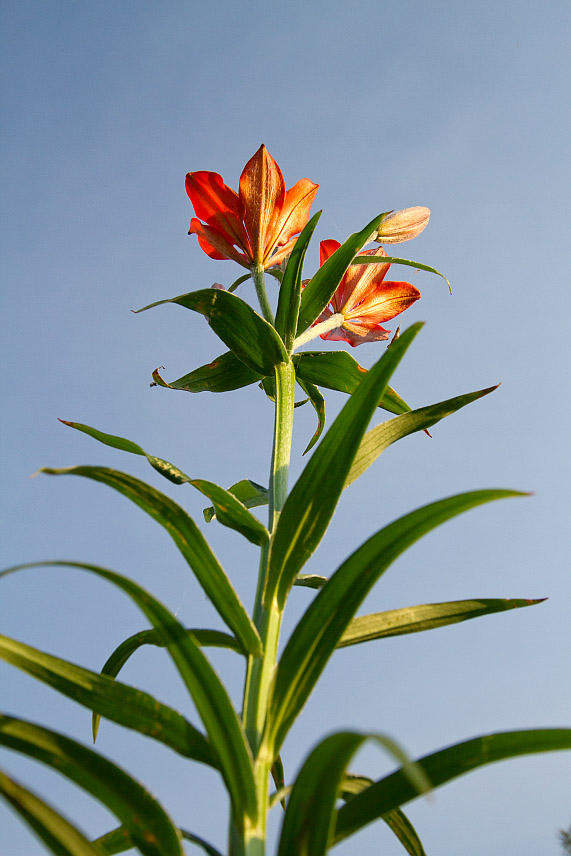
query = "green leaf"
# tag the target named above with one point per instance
(238, 282)
(338, 370)
(200, 842)
(312, 501)
(313, 581)
(309, 820)
(247, 334)
(119, 702)
(290, 291)
(396, 820)
(325, 620)
(390, 260)
(443, 766)
(429, 616)
(107, 439)
(354, 784)
(223, 374)
(55, 831)
(116, 841)
(230, 511)
(126, 649)
(321, 287)
(318, 404)
(382, 436)
(189, 540)
(399, 823)
(149, 826)
(214, 707)
(250, 494)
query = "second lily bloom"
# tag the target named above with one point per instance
(365, 299)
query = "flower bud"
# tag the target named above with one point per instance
(402, 225)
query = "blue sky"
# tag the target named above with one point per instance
(460, 107)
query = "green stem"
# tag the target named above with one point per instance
(257, 272)
(267, 614)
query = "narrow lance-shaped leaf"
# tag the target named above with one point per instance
(223, 374)
(118, 840)
(395, 790)
(396, 819)
(429, 616)
(230, 511)
(208, 693)
(200, 842)
(250, 494)
(115, 841)
(57, 833)
(382, 436)
(398, 822)
(339, 371)
(118, 702)
(247, 334)
(149, 826)
(318, 404)
(126, 649)
(290, 290)
(312, 501)
(309, 820)
(321, 287)
(189, 540)
(321, 627)
(390, 260)
(312, 581)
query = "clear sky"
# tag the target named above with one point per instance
(460, 107)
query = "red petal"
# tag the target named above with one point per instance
(217, 204)
(387, 301)
(326, 249)
(262, 190)
(293, 216)
(209, 195)
(214, 244)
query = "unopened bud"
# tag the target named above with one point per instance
(402, 225)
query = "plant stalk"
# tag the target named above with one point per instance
(267, 615)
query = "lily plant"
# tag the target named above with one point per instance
(266, 228)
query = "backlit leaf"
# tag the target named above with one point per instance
(290, 290)
(223, 374)
(215, 709)
(189, 540)
(338, 370)
(118, 702)
(395, 790)
(247, 334)
(312, 501)
(309, 820)
(148, 824)
(327, 617)
(126, 649)
(429, 616)
(57, 833)
(382, 436)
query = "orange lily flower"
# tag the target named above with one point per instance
(257, 225)
(365, 299)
